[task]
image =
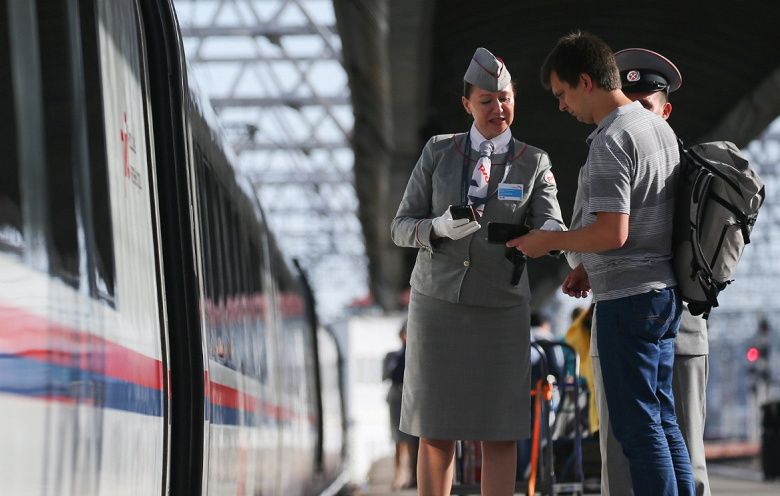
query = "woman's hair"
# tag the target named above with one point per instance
(578, 53)
(468, 88)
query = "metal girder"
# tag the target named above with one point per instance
(273, 72)
(259, 30)
(320, 178)
(289, 100)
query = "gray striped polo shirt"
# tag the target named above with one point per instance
(631, 168)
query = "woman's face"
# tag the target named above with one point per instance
(493, 111)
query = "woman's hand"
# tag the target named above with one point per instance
(446, 226)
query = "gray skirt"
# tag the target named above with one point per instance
(468, 374)
(394, 402)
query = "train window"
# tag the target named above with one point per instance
(77, 182)
(235, 250)
(204, 200)
(243, 258)
(11, 230)
(215, 234)
(56, 59)
(102, 263)
(224, 238)
(254, 269)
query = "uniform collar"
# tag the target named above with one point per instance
(500, 142)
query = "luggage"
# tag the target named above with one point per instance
(718, 198)
(770, 440)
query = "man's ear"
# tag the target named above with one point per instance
(667, 110)
(587, 81)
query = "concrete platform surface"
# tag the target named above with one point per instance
(725, 480)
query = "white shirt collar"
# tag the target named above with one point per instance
(500, 142)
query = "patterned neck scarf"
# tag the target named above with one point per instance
(478, 188)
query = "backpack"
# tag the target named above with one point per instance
(718, 198)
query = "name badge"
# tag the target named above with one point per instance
(510, 191)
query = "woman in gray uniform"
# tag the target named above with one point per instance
(468, 347)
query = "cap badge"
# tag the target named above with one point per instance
(633, 76)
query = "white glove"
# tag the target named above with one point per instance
(551, 225)
(447, 227)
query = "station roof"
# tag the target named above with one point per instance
(406, 60)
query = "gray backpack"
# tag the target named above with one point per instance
(718, 199)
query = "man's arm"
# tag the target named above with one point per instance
(610, 231)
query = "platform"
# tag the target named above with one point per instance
(725, 480)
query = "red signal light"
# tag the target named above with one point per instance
(753, 354)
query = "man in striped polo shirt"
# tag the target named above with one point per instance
(626, 189)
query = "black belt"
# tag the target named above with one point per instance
(518, 259)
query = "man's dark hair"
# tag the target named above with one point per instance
(578, 53)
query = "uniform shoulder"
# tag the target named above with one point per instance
(440, 139)
(524, 150)
(441, 142)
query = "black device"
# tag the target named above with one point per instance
(501, 232)
(463, 212)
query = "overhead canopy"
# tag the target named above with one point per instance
(406, 60)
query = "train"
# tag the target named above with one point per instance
(154, 336)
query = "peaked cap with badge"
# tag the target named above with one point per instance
(644, 71)
(487, 71)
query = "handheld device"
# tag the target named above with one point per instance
(463, 212)
(501, 232)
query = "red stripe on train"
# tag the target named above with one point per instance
(36, 338)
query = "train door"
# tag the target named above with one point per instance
(123, 85)
(173, 150)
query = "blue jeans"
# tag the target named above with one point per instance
(636, 345)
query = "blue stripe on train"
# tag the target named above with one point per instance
(38, 379)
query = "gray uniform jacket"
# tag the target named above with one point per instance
(471, 270)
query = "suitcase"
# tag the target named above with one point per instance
(770, 440)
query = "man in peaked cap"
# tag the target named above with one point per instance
(644, 71)
(487, 71)
(649, 77)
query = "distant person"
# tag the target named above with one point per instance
(579, 337)
(648, 77)
(541, 330)
(406, 445)
(468, 374)
(577, 311)
(627, 206)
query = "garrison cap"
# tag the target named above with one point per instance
(487, 71)
(643, 71)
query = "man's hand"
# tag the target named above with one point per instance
(577, 283)
(534, 244)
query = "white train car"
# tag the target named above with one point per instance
(153, 339)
